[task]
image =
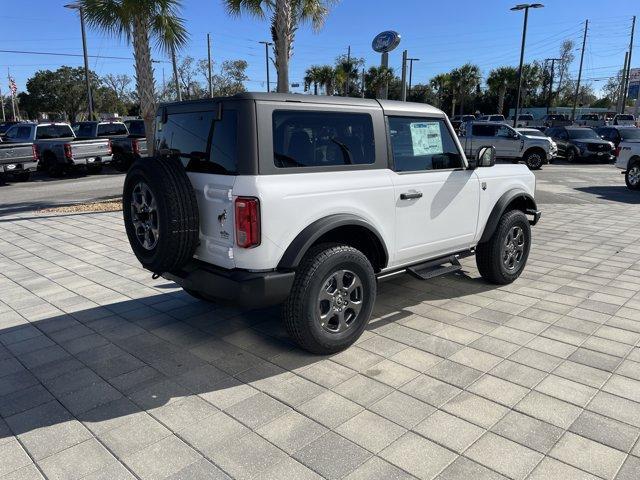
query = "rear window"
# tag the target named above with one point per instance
(318, 139)
(44, 132)
(630, 133)
(497, 118)
(625, 117)
(83, 129)
(136, 127)
(106, 129)
(202, 144)
(479, 130)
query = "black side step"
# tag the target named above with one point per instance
(435, 268)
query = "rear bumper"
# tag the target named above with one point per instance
(92, 160)
(240, 287)
(18, 167)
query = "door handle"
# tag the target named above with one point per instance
(410, 195)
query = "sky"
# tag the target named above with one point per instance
(442, 34)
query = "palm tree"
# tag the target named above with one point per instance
(139, 22)
(285, 16)
(312, 77)
(327, 78)
(377, 78)
(499, 81)
(441, 85)
(465, 80)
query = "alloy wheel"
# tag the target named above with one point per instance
(634, 175)
(144, 216)
(339, 301)
(513, 248)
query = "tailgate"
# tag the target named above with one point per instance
(16, 153)
(215, 204)
(92, 148)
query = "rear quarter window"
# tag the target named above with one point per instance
(479, 130)
(316, 139)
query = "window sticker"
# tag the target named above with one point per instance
(426, 138)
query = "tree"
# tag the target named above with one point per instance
(499, 81)
(376, 79)
(465, 80)
(62, 91)
(139, 22)
(347, 72)
(612, 88)
(285, 17)
(327, 78)
(312, 77)
(119, 84)
(421, 93)
(441, 86)
(566, 59)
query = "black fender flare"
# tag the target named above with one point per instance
(307, 237)
(514, 195)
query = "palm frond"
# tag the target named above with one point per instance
(255, 8)
(110, 16)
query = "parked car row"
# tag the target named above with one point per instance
(57, 148)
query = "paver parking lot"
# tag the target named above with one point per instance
(106, 373)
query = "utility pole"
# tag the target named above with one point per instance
(175, 73)
(403, 91)
(266, 53)
(620, 104)
(584, 43)
(75, 6)
(4, 118)
(411, 60)
(626, 75)
(13, 97)
(346, 87)
(550, 97)
(525, 7)
(209, 65)
(362, 85)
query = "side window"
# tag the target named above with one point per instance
(317, 139)
(12, 133)
(479, 130)
(23, 133)
(222, 159)
(186, 134)
(504, 132)
(552, 132)
(562, 134)
(420, 144)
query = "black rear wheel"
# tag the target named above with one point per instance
(534, 160)
(331, 300)
(571, 155)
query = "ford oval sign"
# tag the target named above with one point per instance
(386, 41)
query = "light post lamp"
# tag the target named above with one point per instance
(75, 6)
(411, 60)
(266, 54)
(525, 7)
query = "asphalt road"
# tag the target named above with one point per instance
(559, 183)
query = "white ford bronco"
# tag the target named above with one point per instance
(263, 199)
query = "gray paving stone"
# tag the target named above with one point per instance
(504, 456)
(588, 455)
(183, 412)
(76, 462)
(430, 390)
(161, 459)
(257, 410)
(418, 456)
(292, 431)
(332, 456)
(567, 390)
(630, 470)
(289, 468)
(208, 434)
(550, 468)
(24, 399)
(134, 436)
(606, 431)
(376, 468)
(200, 470)
(13, 457)
(475, 409)
(363, 390)
(616, 407)
(498, 390)
(449, 431)
(330, 409)
(549, 409)
(370, 431)
(30, 472)
(528, 431)
(464, 469)
(402, 409)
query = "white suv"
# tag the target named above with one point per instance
(262, 199)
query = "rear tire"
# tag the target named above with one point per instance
(160, 214)
(570, 155)
(331, 299)
(632, 177)
(502, 258)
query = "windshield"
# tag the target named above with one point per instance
(53, 131)
(575, 133)
(630, 134)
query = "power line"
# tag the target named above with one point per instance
(56, 54)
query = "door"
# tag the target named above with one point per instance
(436, 197)
(507, 142)
(481, 134)
(559, 135)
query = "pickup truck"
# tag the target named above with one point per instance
(18, 160)
(592, 120)
(307, 201)
(624, 119)
(629, 162)
(524, 120)
(510, 144)
(60, 150)
(552, 120)
(126, 147)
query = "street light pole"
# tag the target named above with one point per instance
(266, 53)
(525, 7)
(411, 60)
(75, 6)
(550, 98)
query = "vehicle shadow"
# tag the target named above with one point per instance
(20, 207)
(614, 193)
(104, 365)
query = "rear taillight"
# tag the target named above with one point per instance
(135, 147)
(247, 216)
(109, 147)
(616, 151)
(36, 152)
(68, 153)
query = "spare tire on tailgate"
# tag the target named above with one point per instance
(160, 214)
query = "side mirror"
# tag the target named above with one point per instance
(486, 156)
